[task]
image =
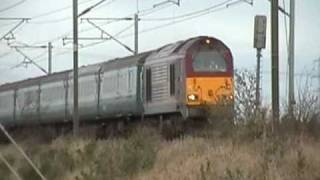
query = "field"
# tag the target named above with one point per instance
(212, 153)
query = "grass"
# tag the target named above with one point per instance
(144, 155)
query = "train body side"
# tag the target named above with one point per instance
(121, 86)
(106, 90)
(7, 111)
(34, 101)
(162, 83)
(53, 98)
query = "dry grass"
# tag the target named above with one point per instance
(144, 155)
(198, 158)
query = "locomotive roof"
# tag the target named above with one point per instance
(179, 47)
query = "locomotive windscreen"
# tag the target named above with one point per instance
(208, 60)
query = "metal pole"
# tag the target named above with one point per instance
(258, 79)
(291, 99)
(49, 58)
(75, 69)
(319, 80)
(136, 33)
(275, 61)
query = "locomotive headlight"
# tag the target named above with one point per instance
(231, 97)
(192, 97)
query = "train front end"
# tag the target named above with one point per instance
(209, 78)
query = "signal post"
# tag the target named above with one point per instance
(260, 28)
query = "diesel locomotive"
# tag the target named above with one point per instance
(179, 78)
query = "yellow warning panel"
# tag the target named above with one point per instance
(209, 90)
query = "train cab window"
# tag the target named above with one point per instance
(172, 79)
(148, 85)
(209, 61)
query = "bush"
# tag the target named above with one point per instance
(122, 158)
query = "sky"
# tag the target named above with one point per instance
(232, 23)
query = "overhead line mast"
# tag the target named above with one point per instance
(275, 62)
(75, 62)
(318, 76)
(75, 70)
(291, 98)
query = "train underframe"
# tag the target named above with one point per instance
(169, 125)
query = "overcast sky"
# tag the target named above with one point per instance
(232, 23)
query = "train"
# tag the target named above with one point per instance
(180, 78)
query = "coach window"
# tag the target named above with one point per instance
(172, 79)
(130, 80)
(148, 85)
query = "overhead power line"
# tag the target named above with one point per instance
(105, 4)
(4, 54)
(152, 10)
(218, 8)
(7, 24)
(92, 44)
(166, 2)
(110, 36)
(13, 18)
(167, 24)
(57, 20)
(57, 38)
(58, 10)
(10, 32)
(12, 6)
(191, 13)
(90, 8)
(81, 31)
(116, 35)
(51, 21)
(224, 5)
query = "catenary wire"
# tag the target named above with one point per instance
(211, 10)
(92, 44)
(178, 21)
(150, 29)
(12, 6)
(58, 10)
(51, 21)
(152, 10)
(62, 19)
(100, 42)
(189, 14)
(163, 25)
